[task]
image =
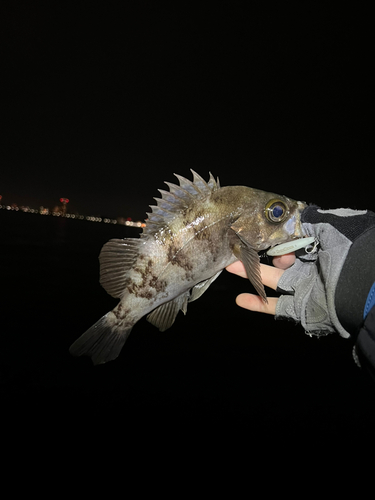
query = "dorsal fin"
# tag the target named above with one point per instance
(212, 183)
(178, 198)
(206, 187)
(188, 185)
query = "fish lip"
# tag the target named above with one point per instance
(301, 205)
(299, 231)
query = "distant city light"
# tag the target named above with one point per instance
(59, 212)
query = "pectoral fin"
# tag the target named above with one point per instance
(250, 259)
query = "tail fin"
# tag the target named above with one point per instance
(102, 342)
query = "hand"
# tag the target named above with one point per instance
(330, 288)
(270, 278)
(308, 287)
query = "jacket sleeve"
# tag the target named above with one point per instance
(365, 346)
(354, 299)
(354, 294)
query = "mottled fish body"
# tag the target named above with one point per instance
(195, 231)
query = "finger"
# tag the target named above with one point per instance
(281, 262)
(237, 268)
(270, 275)
(284, 261)
(256, 304)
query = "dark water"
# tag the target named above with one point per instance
(217, 368)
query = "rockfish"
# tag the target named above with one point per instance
(195, 230)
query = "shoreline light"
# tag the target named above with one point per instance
(91, 218)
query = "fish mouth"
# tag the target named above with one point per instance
(298, 238)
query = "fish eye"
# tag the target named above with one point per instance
(276, 211)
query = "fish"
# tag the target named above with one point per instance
(194, 231)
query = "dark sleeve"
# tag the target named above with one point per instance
(365, 345)
(352, 295)
(358, 271)
(355, 281)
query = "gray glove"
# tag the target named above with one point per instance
(309, 286)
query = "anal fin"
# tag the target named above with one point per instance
(164, 316)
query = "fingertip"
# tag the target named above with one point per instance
(240, 299)
(249, 301)
(284, 261)
(256, 304)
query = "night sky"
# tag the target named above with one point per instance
(102, 103)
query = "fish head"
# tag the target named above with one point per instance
(270, 219)
(283, 221)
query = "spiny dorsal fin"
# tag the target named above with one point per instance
(212, 183)
(205, 187)
(116, 259)
(188, 185)
(178, 198)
